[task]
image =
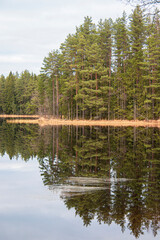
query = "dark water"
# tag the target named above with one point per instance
(79, 183)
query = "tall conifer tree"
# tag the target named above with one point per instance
(137, 38)
(121, 53)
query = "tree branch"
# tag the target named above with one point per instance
(144, 2)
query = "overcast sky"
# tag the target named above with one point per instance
(30, 29)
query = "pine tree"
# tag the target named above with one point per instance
(51, 70)
(105, 31)
(70, 86)
(86, 94)
(9, 106)
(2, 96)
(152, 70)
(135, 86)
(20, 91)
(41, 95)
(121, 50)
(31, 93)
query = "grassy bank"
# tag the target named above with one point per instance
(42, 121)
(18, 116)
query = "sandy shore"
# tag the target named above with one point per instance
(117, 123)
(18, 116)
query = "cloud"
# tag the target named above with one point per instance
(16, 165)
(31, 28)
(17, 59)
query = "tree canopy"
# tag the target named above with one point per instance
(109, 70)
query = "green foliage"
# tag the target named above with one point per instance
(19, 94)
(9, 95)
(106, 71)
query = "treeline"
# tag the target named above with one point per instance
(19, 93)
(106, 71)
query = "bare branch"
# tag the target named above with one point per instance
(148, 5)
(144, 2)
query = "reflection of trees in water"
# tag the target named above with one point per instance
(65, 151)
(89, 205)
(112, 152)
(18, 140)
(124, 205)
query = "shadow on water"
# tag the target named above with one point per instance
(104, 173)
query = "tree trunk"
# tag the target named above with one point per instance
(76, 95)
(57, 97)
(109, 97)
(53, 98)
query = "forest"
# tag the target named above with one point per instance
(109, 70)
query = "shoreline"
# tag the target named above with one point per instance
(18, 116)
(48, 121)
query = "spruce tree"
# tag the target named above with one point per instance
(121, 49)
(152, 70)
(2, 96)
(9, 106)
(135, 73)
(105, 31)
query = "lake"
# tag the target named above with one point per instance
(65, 182)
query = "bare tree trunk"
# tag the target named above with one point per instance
(109, 97)
(76, 95)
(57, 97)
(135, 110)
(53, 98)
(96, 93)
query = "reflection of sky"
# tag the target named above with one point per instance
(29, 211)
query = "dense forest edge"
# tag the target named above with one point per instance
(106, 71)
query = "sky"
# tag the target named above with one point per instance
(30, 211)
(30, 29)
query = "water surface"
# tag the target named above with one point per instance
(79, 182)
